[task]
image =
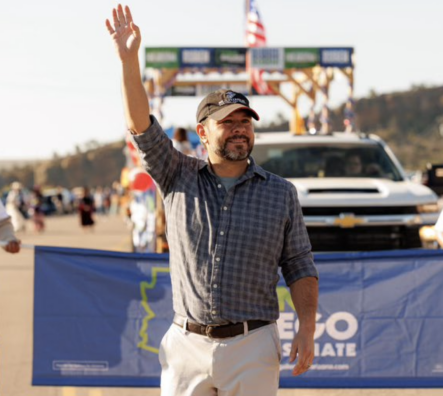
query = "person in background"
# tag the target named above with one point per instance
(353, 165)
(439, 230)
(106, 200)
(181, 142)
(38, 216)
(15, 207)
(7, 232)
(86, 210)
(231, 227)
(99, 200)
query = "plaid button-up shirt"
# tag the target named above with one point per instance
(226, 246)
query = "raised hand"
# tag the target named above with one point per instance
(124, 33)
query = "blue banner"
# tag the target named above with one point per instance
(99, 318)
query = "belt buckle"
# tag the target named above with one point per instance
(209, 329)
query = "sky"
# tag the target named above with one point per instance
(60, 77)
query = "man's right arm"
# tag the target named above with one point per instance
(127, 39)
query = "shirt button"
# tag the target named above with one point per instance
(222, 233)
(225, 208)
(214, 312)
(219, 185)
(217, 259)
(215, 286)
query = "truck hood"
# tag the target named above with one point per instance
(361, 192)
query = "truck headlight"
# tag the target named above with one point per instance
(427, 233)
(428, 208)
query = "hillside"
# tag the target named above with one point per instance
(410, 122)
(95, 167)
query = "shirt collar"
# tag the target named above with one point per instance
(253, 169)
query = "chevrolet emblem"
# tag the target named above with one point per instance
(347, 220)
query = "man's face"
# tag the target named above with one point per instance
(231, 138)
(354, 165)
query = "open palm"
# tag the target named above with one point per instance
(125, 34)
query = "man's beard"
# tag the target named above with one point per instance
(241, 153)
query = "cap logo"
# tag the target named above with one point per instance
(232, 97)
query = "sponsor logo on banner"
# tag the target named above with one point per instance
(301, 57)
(203, 90)
(230, 57)
(267, 58)
(195, 57)
(336, 57)
(75, 365)
(162, 57)
(145, 288)
(334, 335)
(182, 90)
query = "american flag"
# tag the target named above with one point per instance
(256, 37)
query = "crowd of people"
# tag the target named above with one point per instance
(27, 207)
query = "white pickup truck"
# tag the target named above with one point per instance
(354, 193)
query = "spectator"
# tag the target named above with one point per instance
(106, 200)
(15, 207)
(353, 165)
(86, 210)
(38, 215)
(99, 200)
(181, 142)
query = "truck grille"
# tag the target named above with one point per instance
(359, 210)
(334, 239)
(343, 191)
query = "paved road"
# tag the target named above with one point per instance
(16, 302)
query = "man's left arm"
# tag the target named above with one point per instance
(301, 276)
(304, 294)
(7, 235)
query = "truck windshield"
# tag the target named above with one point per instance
(338, 160)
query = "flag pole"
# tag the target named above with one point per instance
(248, 53)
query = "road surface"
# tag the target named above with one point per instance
(16, 304)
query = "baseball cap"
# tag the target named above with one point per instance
(219, 104)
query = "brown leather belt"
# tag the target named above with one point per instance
(220, 331)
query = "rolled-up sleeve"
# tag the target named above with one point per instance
(158, 156)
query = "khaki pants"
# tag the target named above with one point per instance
(195, 365)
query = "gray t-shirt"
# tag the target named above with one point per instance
(228, 182)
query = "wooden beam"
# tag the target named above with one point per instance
(276, 89)
(310, 93)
